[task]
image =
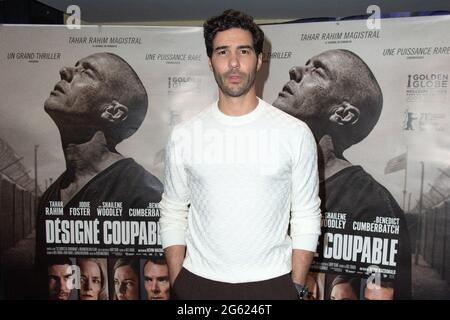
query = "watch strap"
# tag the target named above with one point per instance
(302, 291)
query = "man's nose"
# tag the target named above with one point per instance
(66, 73)
(234, 61)
(296, 73)
(155, 287)
(58, 284)
(63, 285)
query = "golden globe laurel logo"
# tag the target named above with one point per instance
(428, 80)
(426, 98)
(180, 84)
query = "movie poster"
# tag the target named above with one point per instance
(97, 228)
(372, 244)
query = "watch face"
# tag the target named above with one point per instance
(302, 291)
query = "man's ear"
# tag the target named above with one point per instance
(345, 114)
(210, 64)
(115, 112)
(259, 61)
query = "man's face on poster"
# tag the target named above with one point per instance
(60, 281)
(313, 88)
(84, 89)
(156, 281)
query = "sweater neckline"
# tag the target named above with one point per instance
(237, 120)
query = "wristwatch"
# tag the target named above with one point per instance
(302, 291)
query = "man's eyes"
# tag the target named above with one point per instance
(319, 71)
(241, 51)
(88, 72)
(85, 71)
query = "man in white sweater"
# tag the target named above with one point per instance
(240, 215)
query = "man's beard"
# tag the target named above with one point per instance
(235, 91)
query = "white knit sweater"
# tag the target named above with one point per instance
(233, 185)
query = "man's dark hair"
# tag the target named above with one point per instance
(58, 260)
(156, 260)
(232, 19)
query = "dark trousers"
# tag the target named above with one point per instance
(189, 286)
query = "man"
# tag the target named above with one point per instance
(156, 279)
(97, 103)
(60, 280)
(237, 176)
(126, 279)
(337, 95)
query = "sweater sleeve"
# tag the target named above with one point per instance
(305, 201)
(175, 199)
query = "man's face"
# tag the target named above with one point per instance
(83, 90)
(378, 293)
(156, 281)
(234, 62)
(343, 291)
(313, 88)
(126, 283)
(90, 280)
(59, 281)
